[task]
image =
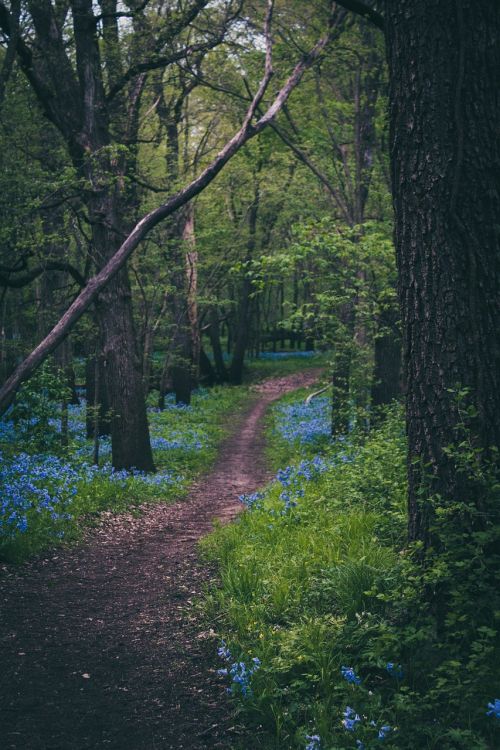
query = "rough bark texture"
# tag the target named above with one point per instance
(444, 61)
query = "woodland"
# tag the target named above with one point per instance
(249, 374)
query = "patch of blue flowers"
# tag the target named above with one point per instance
(292, 479)
(352, 720)
(253, 501)
(240, 673)
(40, 488)
(494, 709)
(31, 486)
(305, 424)
(313, 742)
(350, 675)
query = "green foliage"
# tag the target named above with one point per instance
(257, 369)
(329, 584)
(35, 408)
(298, 588)
(49, 495)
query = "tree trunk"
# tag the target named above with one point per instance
(101, 398)
(214, 334)
(386, 384)
(244, 308)
(130, 444)
(444, 63)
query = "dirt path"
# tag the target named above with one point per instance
(99, 647)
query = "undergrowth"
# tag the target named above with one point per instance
(319, 589)
(279, 364)
(49, 487)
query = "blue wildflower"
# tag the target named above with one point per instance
(384, 731)
(395, 670)
(253, 501)
(223, 651)
(351, 719)
(313, 742)
(494, 709)
(350, 675)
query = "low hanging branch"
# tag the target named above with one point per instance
(247, 131)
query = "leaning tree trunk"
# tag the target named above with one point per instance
(444, 62)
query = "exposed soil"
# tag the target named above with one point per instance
(101, 645)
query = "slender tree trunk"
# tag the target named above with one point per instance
(386, 384)
(214, 334)
(95, 393)
(191, 258)
(444, 63)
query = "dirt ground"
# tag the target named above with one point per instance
(101, 644)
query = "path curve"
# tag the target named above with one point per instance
(99, 647)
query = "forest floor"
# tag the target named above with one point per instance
(102, 645)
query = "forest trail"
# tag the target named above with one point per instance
(100, 646)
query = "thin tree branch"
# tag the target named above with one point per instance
(154, 217)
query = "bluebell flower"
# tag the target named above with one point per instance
(252, 501)
(350, 675)
(384, 731)
(395, 670)
(351, 719)
(494, 709)
(313, 742)
(360, 745)
(239, 672)
(223, 651)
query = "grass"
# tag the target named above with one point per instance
(304, 568)
(360, 640)
(279, 364)
(48, 496)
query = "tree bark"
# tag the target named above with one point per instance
(444, 63)
(214, 335)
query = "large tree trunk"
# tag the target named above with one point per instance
(131, 447)
(444, 61)
(130, 444)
